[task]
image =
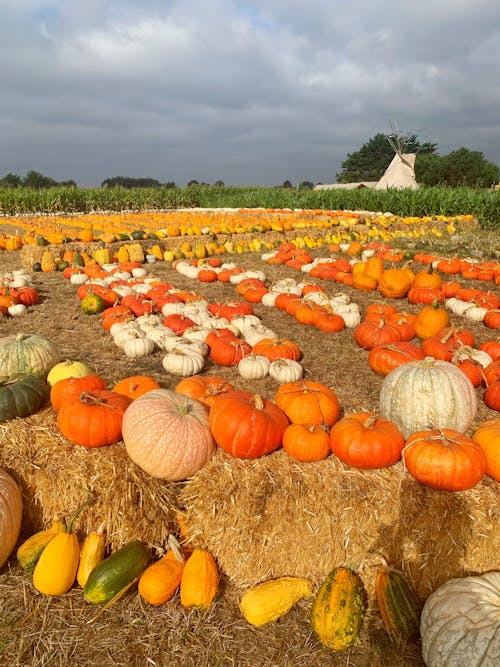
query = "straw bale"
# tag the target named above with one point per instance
(54, 475)
(272, 517)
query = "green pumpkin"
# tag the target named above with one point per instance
(138, 234)
(36, 267)
(29, 354)
(62, 265)
(92, 304)
(78, 260)
(41, 240)
(22, 395)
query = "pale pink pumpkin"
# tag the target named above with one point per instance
(168, 434)
(11, 513)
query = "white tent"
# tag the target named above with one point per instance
(400, 173)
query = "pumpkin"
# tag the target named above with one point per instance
(445, 459)
(31, 549)
(21, 396)
(338, 609)
(72, 387)
(398, 604)
(385, 358)
(30, 354)
(228, 350)
(204, 388)
(11, 514)
(199, 581)
(394, 283)
(114, 575)
(364, 440)
(182, 362)
(254, 366)
(491, 395)
(92, 553)
(270, 600)
(307, 401)
(370, 333)
(430, 320)
(460, 625)
(94, 418)
(427, 278)
(276, 349)
(428, 394)
(487, 436)
(442, 344)
(160, 580)
(67, 369)
(92, 304)
(306, 442)
(135, 386)
(285, 370)
(167, 434)
(247, 425)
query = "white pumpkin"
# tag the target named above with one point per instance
(168, 434)
(128, 333)
(27, 353)
(182, 363)
(428, 394)
(460, 623)
(136, 348)
(174, 308)
(78, 278)
(285, 370)
(148, 321)
(11, 514)
(254, 367)
(17, 310)
(465, 352)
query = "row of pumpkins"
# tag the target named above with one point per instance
(426, 407)
(459, 623)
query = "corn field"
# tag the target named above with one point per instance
(484, 205)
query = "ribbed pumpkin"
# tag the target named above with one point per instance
(11, 514)
(135, 386)
(428, 394)
(199, 581)
(306, 401)
(487, 436)
(364, 440)
(168, 434)
(445, 460)
(268, 601)
(338, 609)
(399, 605)
(385, 358)
(29, 354)
(460, 623)
(205, 388)
(21, 396)
(72, 387)
(247, 425)
(94, 418)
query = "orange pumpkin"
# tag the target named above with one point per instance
(135, 386)
(306, 442)
(306, 401)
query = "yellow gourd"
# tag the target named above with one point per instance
(102, 256)
(160, 581)
(92, 553)
(122, 254)
(200, 580)
(31, 549)
(47, 262)
(272, 599)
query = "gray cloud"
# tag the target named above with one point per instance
(251, 92)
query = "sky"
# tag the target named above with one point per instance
(250, 92)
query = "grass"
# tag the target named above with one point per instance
(483, 204)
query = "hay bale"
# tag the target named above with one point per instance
(54, 475)
(272, 516)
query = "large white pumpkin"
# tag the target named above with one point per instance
(11, 514)
(428, 394)
(168, 434)
(29, 354)
(460, 623)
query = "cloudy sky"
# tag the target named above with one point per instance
(245, 91)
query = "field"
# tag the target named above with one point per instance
(252, 515)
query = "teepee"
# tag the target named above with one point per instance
(401, 172)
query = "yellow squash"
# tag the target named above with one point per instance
(92, 553)
(272, 599)
(31, 549)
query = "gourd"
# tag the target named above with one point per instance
(11, 514)
(31, 549)
(428, 394)
(200, 580)
(268, 601)
(338, 609)
(160, 580)
(460, 623)
(113, 576)
(22, 395)
(67, 369)
(55, 570)
(247, 425)
(168, 434)
(29, 354)
(399, 605)
(92, 553)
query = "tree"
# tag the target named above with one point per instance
(219, 184)
(10, 181)
(287, 185)
(372, 159)
(128, 182)
(193, 183)
(463, 167)
(34, 179)
(305, 185)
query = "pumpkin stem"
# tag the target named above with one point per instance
(258, 402)
(370, 421)
(90, 497)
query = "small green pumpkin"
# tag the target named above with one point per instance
(92, 304)
(21, 396)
